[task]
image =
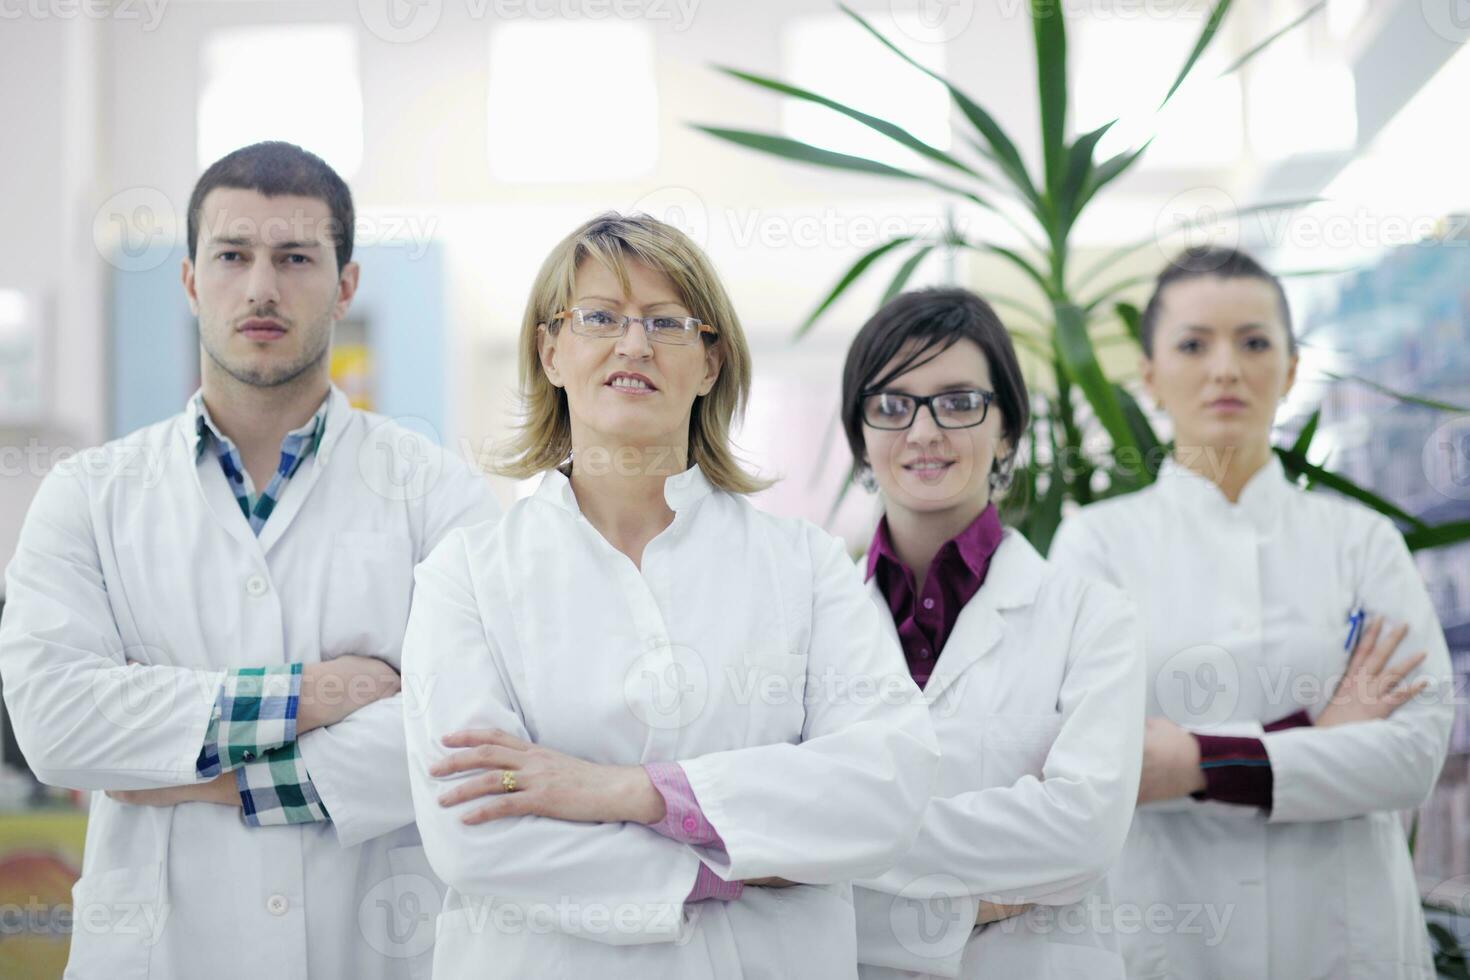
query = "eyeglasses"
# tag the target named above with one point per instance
(950, 409)
(659, 329)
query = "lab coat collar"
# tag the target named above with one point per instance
(302, 440)
(685, 489)
(1262, 499)
(221, 499)
(1013, 581)
(681, 491)
(337, 412)
(1015, 574)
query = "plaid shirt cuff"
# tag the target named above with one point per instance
(278, 790)
(254, 712)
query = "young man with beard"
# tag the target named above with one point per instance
(212, 639)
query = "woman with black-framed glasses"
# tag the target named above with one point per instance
(1033, 676)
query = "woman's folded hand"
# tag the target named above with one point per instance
(520, 778)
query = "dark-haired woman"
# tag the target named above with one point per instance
(1286, 727)
(1033, 676)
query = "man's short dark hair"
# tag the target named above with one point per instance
(277, 169)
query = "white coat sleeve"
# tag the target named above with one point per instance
(846, 800)
(1043, 841)
(85, 720)
(1391, 764)
(359, 765)
(1048, 840)
(1076, 548)
(581, 876)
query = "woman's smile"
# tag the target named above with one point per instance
(630, 383)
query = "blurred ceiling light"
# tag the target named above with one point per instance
(1344, 16)
(297, 83)
(572, 101)
(1123, 67)
(1415, 167)
(12, 308)
(1299, 104)
(1392, 193)
(834, 57)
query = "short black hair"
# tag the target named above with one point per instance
(938, 318)
(1209, 260)
(276, 169)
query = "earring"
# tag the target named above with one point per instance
(867, 480)
(1001, 474)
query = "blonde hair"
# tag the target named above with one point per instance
(543, 439)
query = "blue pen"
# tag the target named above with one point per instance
(1355, 624)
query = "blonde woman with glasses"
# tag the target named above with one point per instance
(656, 730)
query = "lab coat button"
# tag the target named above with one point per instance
(276, 905)
(689, 825)
(256, 586)
(928, 603)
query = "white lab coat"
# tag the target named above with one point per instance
(1243, 609)
(744, 649)
(1037, 700)
(134, 551)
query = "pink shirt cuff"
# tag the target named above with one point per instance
(685, 822)
(707, 884)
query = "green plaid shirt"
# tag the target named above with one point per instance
(252, 729)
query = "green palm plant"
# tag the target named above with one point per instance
(1080, 310)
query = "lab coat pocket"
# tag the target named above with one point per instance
(1385, 921)
(1068, 961)
(459, 941)
(116, 921)
(1303, 668)
(801, 931)
(1013, 746)
(369, 583)
(1040, 946)
(404, 930)
(772, 686)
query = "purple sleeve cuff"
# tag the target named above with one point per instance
(1237, 770)
(1298, 720)
(683, 820)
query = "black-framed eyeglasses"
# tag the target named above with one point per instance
(896, 411)
(659, 329)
